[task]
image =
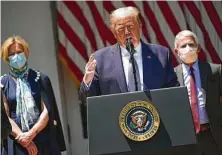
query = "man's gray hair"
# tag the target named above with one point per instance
(123, 12)
(185, 33)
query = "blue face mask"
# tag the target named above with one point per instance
(17, 61)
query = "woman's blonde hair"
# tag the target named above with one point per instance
(10, 41)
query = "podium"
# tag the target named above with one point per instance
(175, 133)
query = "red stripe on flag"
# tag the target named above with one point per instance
(77, 12)
(214, 17)
(209, 46)
(154, 24)
(71, 35)
(201, 55)
(172, 22)
(168, 15)
(108, 6)
(144, 29)
(74, 68)
(182, 7)
(104, 32)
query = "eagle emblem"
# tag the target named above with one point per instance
(139, 120)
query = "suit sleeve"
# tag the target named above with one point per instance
(6, 127)
(92, 90)
(171, 78)
(220, 78)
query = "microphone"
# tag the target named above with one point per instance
(131, 50)
(129, 46)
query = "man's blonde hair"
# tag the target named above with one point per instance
(124, 12)
(10, 41)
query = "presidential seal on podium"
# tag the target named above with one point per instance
(139, 120)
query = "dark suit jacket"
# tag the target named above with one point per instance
(211, 82)
(110, 78)
(57, 140)
(6, 127)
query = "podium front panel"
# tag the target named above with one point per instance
(176, 125)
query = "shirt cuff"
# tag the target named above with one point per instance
(87, 86)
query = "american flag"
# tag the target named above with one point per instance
(83, 27)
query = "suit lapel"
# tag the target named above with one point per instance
(119, 71)
(147, 66)
(203, 74)
(179, 71)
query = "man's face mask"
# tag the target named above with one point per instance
(17, 61)
(188, 54)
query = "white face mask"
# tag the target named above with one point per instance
(188, 54)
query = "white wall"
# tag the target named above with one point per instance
(32, 21)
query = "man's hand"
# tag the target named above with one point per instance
(26, 138)
(90, 70)
(32, 149)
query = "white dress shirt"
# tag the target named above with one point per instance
(138, 58)
(201, 94)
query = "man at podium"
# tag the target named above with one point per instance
(204, 85)
(130, 64)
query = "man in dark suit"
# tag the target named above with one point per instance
(204, 85)
(109, 70)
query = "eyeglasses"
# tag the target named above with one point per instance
(192, 45)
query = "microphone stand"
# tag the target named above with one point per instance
(131, 50)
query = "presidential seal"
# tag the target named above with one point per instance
(139, 120)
